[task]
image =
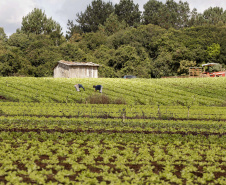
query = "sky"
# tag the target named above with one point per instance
(12, 11)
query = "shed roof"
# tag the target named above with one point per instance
(68, 63)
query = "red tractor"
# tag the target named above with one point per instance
(213, 70)
(207, 70)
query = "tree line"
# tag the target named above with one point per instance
(163, 40)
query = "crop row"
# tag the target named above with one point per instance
(138, 91)
(94, 158)
(50, 134)
(71, 110)
(96, 125)
(59, 150)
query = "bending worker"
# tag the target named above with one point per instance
(78, 86)
(98, 88)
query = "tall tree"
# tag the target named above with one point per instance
(3, 36)
(183, 11)
(19, 40)
(213, 52)
(168, 15)
(152, 12)
(94, 15)
(72, 29)
(214, 15)
(38, 23)
(211, 16)
(112, 25)
(172, 14)
(129, 12)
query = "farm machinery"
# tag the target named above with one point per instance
(207, 70)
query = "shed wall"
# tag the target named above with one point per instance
(61, 71)
(65, 71)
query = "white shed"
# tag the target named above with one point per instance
(66, 69)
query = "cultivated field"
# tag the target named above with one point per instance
(139, 131)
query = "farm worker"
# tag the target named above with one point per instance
(78, 86)
(98, 88)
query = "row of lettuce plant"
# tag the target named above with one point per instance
(138, 91)
(75, 125)
(129, 158)
(112, 110)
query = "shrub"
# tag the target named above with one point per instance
(119, 101)
(104, 99)
(98, 99)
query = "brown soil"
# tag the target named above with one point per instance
(105, 116)
(158, 168)
(2, 98)
(24, 130)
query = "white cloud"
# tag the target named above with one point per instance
(12, 11)
(202, 5)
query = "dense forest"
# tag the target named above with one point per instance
(163, 40)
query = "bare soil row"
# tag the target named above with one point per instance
(100, 131)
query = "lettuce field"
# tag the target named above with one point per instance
(139, 131)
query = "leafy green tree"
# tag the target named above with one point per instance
(19, 40)
(103, 54)
(7, 65)
(197, 19)
(127, 60)
(70, 51)
(213, 52)
(73, 29)
(93, 40)
(194, 16)
(175, 15)
(37, 22)
(94, 15)
(211, 16)
(168, 15)
(112, 25)
(183, 11)
(3, 36)
(129, 12)
(3, 43)
(76, 37)
(184, 67)
(119, 38)
(214, 15)
(146, 51)
(151, 14)
(42, 54)
(12, 63)
(162, 65)
(221, 33)
(145, 39)
(3, 58)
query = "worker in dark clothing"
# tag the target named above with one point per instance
(78, 86)
(98, 88)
